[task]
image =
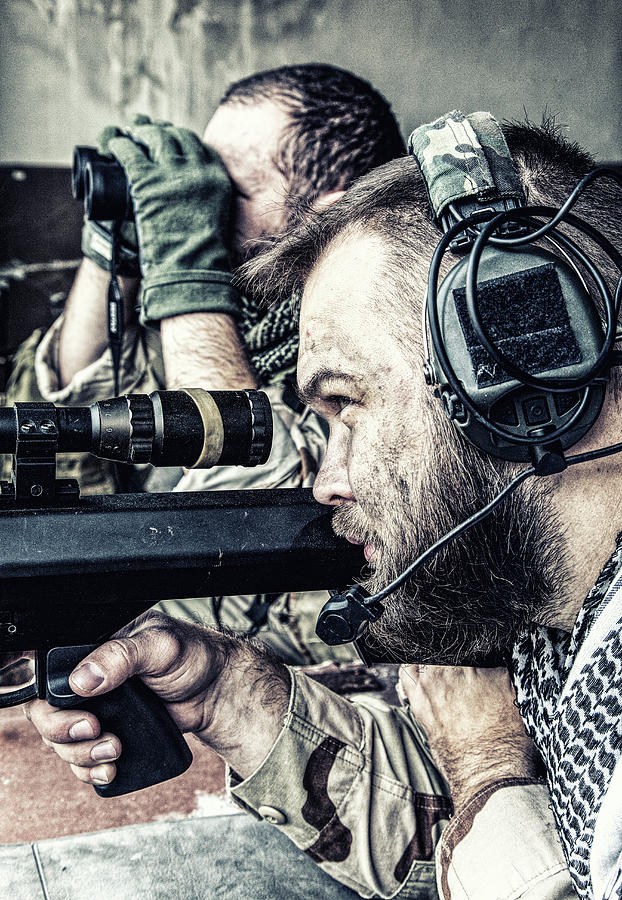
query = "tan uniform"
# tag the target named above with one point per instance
(352, 783)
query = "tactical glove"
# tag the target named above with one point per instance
(97, 236)
(181, 195)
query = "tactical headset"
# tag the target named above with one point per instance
(516, 347)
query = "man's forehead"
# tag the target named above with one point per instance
(341, 328)
(238, 129)
(341, 292)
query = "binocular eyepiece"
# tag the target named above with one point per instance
(100, 182)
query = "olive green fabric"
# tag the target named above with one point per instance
(181, 195)
(97, 246)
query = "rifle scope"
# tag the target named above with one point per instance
(191, 428)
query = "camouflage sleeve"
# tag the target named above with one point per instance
(96, 382)
(503, 844)
(353, 785)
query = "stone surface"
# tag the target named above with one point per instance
(231, 857)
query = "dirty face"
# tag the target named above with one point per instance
(353, 372)
(399, 477)
(246, 135)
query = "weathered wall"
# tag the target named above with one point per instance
(70, 66)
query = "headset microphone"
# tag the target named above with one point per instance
(519, 351)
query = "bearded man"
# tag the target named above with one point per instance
(351, 783)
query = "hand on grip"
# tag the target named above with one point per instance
(153, 749)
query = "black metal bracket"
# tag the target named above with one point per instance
(33, 476)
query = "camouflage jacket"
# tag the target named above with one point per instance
(353, 783)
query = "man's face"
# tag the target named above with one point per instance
(246, 135)
(354, 374)
(399, 478)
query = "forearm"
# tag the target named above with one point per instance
(84, 335)
(204, 350)
(247, 706)
(471, 773)
(502, 842)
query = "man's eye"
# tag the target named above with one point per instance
(340, 401)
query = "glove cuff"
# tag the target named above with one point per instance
(97, 246)
(177, 293)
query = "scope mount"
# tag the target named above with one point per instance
(33, 474)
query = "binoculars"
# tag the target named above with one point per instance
(100, 182)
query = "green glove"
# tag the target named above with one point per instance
(181, 195)
(97, 236)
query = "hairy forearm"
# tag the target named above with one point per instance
(84, 334)
(246, 708)
(473, 727)
(204, 350)
(471, 772)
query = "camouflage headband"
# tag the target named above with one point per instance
(464, 156)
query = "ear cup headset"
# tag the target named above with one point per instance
(518, 352)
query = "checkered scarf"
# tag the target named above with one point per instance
(575, 718)
(270, 337)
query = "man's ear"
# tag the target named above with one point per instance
(325, 200)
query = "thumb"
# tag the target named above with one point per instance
(154, 647)
(148, 650)
(105, 668)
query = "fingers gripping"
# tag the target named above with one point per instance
(74, 735)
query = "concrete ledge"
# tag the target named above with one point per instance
(232, 857)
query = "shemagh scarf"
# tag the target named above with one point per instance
(270, 337)
(576, 721)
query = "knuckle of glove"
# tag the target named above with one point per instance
(142, 119)
(104, 138)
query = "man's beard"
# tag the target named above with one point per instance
(473, 597)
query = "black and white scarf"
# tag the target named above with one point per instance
(576, 721)
(270, 337)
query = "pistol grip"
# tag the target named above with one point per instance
(153, 748)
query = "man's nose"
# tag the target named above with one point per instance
(332, 485)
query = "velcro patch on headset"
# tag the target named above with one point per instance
(526, 317)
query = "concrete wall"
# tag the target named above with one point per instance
(68, 67)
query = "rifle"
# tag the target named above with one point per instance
(73, 569)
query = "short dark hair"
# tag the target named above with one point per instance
(340, 126)
(392, 203)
